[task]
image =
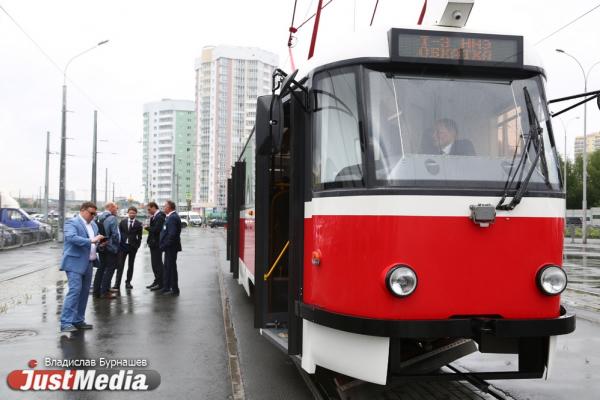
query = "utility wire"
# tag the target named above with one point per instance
(32, 40)
(58, 67)
(567, 24)
(322, 8)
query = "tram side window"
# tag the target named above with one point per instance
(337, 154)
(248, 158)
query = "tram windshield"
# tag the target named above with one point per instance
(457, 132)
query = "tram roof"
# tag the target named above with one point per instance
(373, 43)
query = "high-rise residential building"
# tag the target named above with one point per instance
(228, 81)
(592, 142)
(169, 152)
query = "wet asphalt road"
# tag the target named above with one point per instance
(182, 338)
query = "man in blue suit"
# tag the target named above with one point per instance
(170, 243)
(79, 259)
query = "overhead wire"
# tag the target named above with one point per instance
(307, 20)
(58, 67)
(567, 24)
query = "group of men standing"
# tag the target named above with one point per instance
(121, 241)
(106, 245)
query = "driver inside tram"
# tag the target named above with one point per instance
(444, 140)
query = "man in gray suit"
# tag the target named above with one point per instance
(109, 252)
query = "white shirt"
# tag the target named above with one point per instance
(446, 150)
(129, 226)
(90, 232)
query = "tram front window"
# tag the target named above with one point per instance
(456, 132)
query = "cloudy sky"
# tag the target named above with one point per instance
(151, 53)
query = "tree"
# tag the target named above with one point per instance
(574, 183)
(593, 189)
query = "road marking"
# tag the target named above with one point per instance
(235, 372)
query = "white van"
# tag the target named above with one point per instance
(191, 217)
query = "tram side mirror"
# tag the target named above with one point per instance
(269, 124)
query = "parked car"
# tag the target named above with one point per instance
(14, 217)
(573, 221)
(8, 236)
(217, 222)
(17, 218)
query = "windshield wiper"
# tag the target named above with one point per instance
(535, 138)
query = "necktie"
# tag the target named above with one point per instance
(130, 224)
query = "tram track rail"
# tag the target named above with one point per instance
(330, 386)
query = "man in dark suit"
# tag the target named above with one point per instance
(131, 240)
(157, 220)
(170, 243)
(445, 140)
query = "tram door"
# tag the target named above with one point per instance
(277, 221)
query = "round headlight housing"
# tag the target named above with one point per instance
(401, 280)
(552, 280)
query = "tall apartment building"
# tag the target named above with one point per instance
(169, 158)
(228, 81)
(592, 142)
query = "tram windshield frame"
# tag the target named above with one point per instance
(376, 126)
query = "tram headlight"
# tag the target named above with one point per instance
(552, 280)
(401, 280)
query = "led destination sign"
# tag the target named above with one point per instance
(456, 48)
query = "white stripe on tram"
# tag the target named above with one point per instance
(429, 206)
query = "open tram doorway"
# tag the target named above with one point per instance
(279, 220)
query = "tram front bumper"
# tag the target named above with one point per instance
(363, 347)
(468, 328)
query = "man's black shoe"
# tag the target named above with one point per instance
(128, 286)
(151, 285)
(83, 325)
(156, 287)
(166, 292)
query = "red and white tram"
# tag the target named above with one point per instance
(400, 205)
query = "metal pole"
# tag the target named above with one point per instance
(94, 155)
(63, 147)
(106, 186)
(46, 180)
(584, 199)
(63, 152)
(177, 192)
(173, 181)
(584, 225)
(113, 196)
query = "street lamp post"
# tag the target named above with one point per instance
(584, 197)
(94, 157)
(47, 175)
(63, 146)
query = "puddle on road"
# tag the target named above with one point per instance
(10, 335)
